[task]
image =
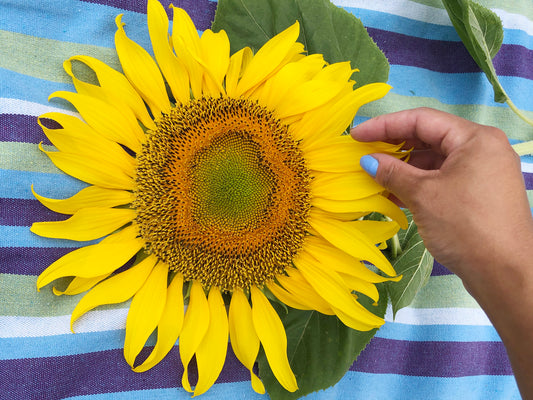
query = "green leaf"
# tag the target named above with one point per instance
(324, 29)
(482, 34)
(415, 263)
(320, 349)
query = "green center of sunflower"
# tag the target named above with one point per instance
(231, 186)
(222, 193)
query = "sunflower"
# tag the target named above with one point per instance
(228, 182)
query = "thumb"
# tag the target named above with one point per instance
(398, 177)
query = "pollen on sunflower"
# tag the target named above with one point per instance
(222, 193)
(219, 175)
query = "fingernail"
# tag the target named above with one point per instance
(369, 164)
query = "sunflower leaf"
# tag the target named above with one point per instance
(320, 349)
(415, 264)
(481, 31)
(324, 29)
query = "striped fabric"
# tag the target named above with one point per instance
(441, 347)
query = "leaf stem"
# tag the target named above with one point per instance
(518, 112)
(395, 247)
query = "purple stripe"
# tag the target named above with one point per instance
(24, 212)
(29, 260)
(439, 270)
(53, 378)
(528, 179)
(511, 60)
(202, 12)
(21, 128)
(106, 371)
(434, 359)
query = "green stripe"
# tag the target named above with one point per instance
(26, 157)
(43, 58)
(444, 292)
(522, 7)
(19, 297)
(530, 197)
(500, 117)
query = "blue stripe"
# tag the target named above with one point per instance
(56, 19)
(20, 236)
(17, 185)
(360, 385)
(471, 88)
(354, 385)
(426, 30)
(41, 16)
(60, 345)
(88, 342)
(24, 87)
(441, 333)
(227, 390)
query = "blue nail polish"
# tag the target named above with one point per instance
(369, 164)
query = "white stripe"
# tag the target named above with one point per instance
(527, 167)
(439, 316)
(107, 320)
(515, 21)
(432, 15)
(416, 11)
(93, 321)
(23, 107)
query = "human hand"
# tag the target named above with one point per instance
(463, 185)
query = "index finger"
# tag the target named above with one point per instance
(419, 128)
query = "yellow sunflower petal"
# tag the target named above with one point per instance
(141, 71)
(376, 231)
(95, 260)
(287, 298)
(268, 58)
(303, 292)
(350, 240)
(173, 69)
(375, 203)
(211, 353)
(85, 170)
(343, 154)
(215, 60)
(237, 64)
(116, 289)
(86, 224)
(120, 126)
(331, 120)
(360, 286)
(145, 312)
(308, 96)
(113, 86)
(195, 326)
(77, 137)
(79, 285)
(169, 327)
(342, 262)
(186, 43)
(341, 71)
(330, 286)
(273, 338)
(243, 338)
(291, 75)
(183, 27)
(344, 186)
(91, 196)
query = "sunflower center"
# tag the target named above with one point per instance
(231, 185)
(222, 193)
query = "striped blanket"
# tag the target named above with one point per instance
(441, 347)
